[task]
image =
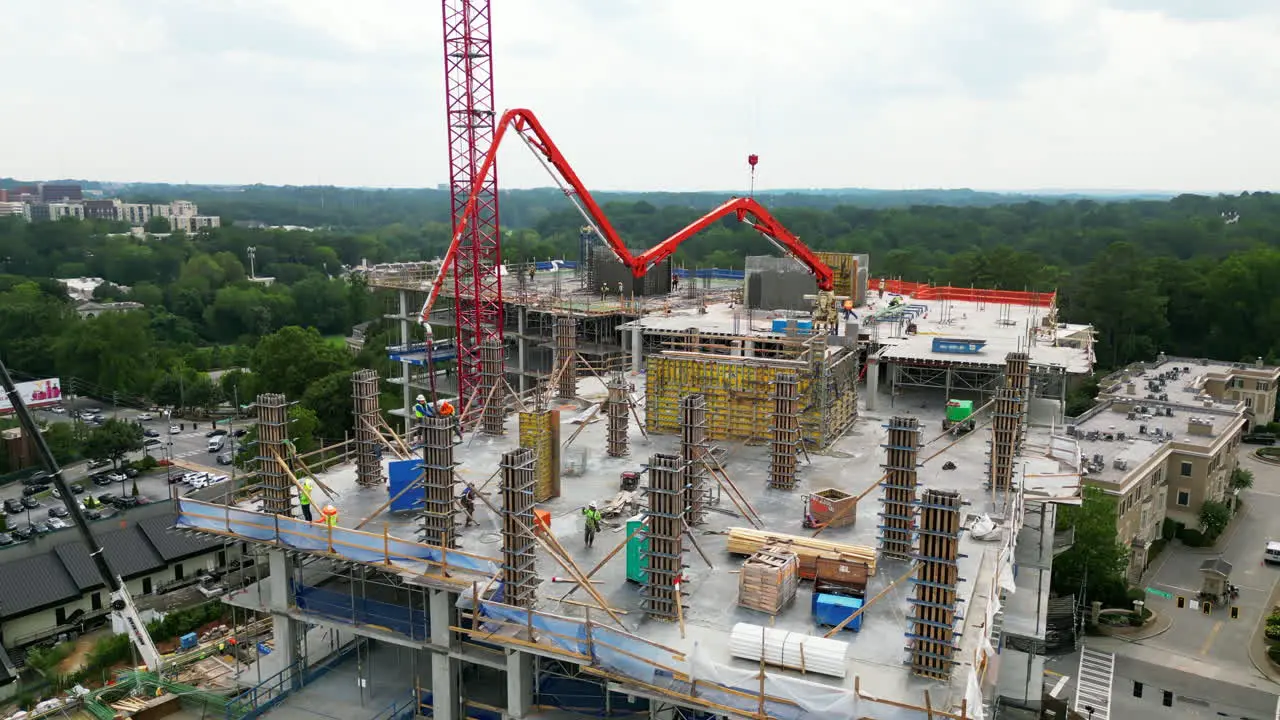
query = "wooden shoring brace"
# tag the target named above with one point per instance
(311, 474)
(607, 558)
(514, 394)
(585, 422)
(857, 613)
(417, 483)
(293, 477)
(565, 562)
(404, 447)
(488, 399)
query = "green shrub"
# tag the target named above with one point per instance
(146, 463)
(1170, 528)
(1194, 538)
(1134, 595)
(1154, 551)
(1273, 652)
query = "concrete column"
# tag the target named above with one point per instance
(521, 343)
(873, 381)
(444, 669)
(637, 344)
(283, 627)
(519, 683)
(749, 348)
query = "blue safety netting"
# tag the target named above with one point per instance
(360, 611)
(714, 273)
(301, 535)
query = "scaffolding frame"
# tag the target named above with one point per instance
(665, 553)
(784, 443)
(439, 523)
(519, 575)
(273, 441)
(898, 503)
(695, 455)
(935, 606)
(368, 448)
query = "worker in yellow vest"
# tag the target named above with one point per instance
(304, 499)
(330, 514)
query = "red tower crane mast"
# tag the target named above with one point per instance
(477, 261)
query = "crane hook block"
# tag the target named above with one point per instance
(752, 159)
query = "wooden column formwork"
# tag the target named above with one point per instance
(519, 577)
(784, 443)
(898, 503)
(273, 436)
(1017, 375)
(439, 524)
(491, 393)
(566, 357)
(931, 634)
(694, 455)
(617, 411)
(365, 393)
(1006, 428)
(665, 554)
(540, 432)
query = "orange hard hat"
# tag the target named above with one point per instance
(329, 510)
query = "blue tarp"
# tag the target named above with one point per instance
(403, 473)
(341, 606)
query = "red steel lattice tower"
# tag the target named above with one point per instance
(477, 281)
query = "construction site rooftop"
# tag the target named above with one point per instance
(875, 654)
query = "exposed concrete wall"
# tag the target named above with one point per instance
(608, 271)
(780, 290)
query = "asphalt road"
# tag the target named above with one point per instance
(1216, 636)
(190, 445)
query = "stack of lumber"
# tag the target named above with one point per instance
(129, 705)
(746, 541)
(768, 579)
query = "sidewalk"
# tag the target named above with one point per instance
(1258, 644)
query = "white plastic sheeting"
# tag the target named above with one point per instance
(985, 529)
(1006, 573)
(788, 649)
(811, 700)
(973, 693)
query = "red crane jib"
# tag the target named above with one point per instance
(747, 210)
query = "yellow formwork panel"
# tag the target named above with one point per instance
(738, 395)
(539, 431)
(845, 267)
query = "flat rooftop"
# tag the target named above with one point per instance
(876, 654)
(1004, 328)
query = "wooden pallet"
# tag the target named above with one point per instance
(768, 579)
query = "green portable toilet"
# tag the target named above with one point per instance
(959, 410)
(637, 548)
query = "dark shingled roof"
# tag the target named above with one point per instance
(67, 571)
(34, 582)
(174, 545)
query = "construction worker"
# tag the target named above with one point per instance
(532, 269)
(848, 309)
(593, 523)
(604, 291)
(421, 409)
(446, 409)
(330, 514)
(675, 282)
(468, 501)
(304, 498)
(619, 289)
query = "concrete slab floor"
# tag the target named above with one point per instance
(876, 654)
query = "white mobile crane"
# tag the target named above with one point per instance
(121, 603)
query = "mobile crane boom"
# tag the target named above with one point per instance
(121, 602)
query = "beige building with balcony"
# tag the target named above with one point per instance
(1161, 445)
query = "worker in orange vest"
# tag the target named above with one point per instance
(446, 409)
(330, 515)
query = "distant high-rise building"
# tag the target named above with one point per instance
(54, 192)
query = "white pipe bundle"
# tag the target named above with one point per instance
(788, 649)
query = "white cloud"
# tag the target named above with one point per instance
(659, 94)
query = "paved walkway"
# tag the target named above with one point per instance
(1258, 644)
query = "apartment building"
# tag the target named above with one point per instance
(14, 208)
(1161, 446)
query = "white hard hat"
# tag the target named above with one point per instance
(422, 398)
(592, 506)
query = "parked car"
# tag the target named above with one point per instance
(125, 502)
(131, 472)
(59, 410)
(5, 539)
(40, 528)
(144, 417)
(173, 430)
(151, 433)
(93, 514)
(152, 442)
(117, 476)
(224, 459)
(101, 480)
(30, 503)
(33, 489)
(13, 506)
(38, 477)
(21, 534)
(58, 511)
(215, 432)
(95, 464)
(240, 432)
(58, 524)
(76, 489)
(106, 498)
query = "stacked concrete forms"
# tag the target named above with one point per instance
(365, 393)
(617, 409)
(784, 444)
(273, 436)
(739, 392)
(519, 578)
(932, 634)
(540, 432)
(1017, 376)
(898, 511)
(566, 336)
(1006, 430)
(439, 526)
(694, 455)
(665, 554)
(490, 396)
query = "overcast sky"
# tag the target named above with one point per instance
(656, 94)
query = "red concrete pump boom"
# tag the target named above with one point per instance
(529, 130)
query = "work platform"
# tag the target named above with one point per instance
(647, 657)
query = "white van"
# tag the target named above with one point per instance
(1273, 552)
(217, 442)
